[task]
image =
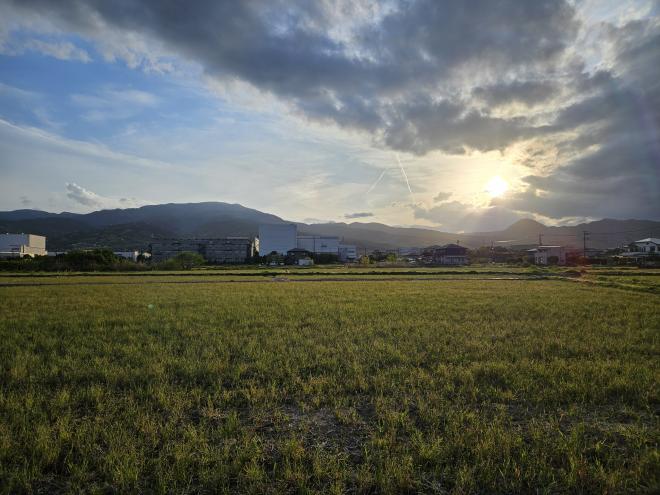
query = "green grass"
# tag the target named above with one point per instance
(460, 386)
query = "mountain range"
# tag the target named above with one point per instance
(135, 228)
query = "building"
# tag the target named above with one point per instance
(22, 245)
(548, 255)
(409, 251)
(449, 254)
(282, 238)
(278, 238)
(299, 256)
(648, 245)
(296, 254)
(318, 244)
(222, 250)
(347, 252)
(128, 255)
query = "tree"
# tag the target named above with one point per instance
(184, 261)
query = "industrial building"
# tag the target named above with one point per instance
(282, 238)
(318, 244)
(223, 250)
(277, 238)
(22, 245)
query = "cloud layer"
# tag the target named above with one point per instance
(424, 76)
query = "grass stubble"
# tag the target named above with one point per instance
(498, 386)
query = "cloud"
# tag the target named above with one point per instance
(364, 214)
(25, 201)
(608, 164)
(424, 76)
(90, 199)
(83, 196)
(528, 93)
(390, 70)
(63, 50)
(441, 196)
(113, 103)
(455, 216)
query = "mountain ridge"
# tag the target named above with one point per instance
(133, 228)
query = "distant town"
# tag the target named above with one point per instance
(282, 244)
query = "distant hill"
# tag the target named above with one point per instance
(134, 228)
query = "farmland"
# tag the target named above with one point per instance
(379, 381)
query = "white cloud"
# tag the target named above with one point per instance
(61, 50)
(95, 201)
(83, 196)
(114, 104)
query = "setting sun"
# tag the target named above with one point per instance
(496, 187)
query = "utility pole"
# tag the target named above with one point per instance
(584, 243)
(540, 239)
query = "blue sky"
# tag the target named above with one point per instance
(306, 117)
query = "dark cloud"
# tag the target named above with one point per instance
(25, 201)
(526, 92)
(386, 78)
(611, 167)
(363, 214)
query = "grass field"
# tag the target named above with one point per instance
(369, 386)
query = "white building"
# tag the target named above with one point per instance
(547, 255)
(21, 245)
(129, 255)
(347, 252)
(319, 244)
(648, 245)
(279, 238)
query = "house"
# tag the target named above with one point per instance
(449, 254)
(22, 245)
(347, 252)
(293, 256)
(648, 245)
(548, 255)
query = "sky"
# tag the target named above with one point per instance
(462, 115)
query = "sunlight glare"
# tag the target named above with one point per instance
(496, 187)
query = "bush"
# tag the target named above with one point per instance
(183, 261)
(78, 261)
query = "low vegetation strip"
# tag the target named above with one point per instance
(391, 387)
(229, 279)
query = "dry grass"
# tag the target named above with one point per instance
(370, 387)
